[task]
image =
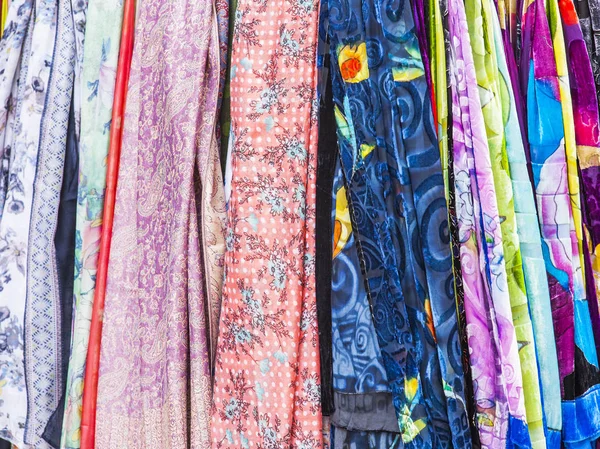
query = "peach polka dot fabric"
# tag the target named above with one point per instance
(267, 383)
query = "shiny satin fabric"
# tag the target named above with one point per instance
(538, 295)
(500, 411)
(101, 50)
(483, 41)
(541, 81)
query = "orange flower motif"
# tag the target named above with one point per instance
(353, 63)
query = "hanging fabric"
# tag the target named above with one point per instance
(90, 373)
(490, 90)
(549, 160)
(541, 356)
(162, 285)
(267, 385)
(391, 166)
(43, 341)
(500, 414)
(101, 49)
(23, 96)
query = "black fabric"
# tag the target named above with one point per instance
(5, 444)
(64, 242)
(326, 157)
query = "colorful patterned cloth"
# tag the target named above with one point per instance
(27, 50)
(392, 171)
(574, 342)
(163, 282)
(538, 295)
(484, 44)
(103, 35)
(267, 382)
(500, 411)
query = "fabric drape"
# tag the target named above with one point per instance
(23, 95)
(544, 359)
(490, 91)
(101, 50)
(90, 379)
(162, 284)
(391, 166)
(267, 382)
(500, 414)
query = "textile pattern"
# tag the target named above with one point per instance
(267, 381)
(101, 50)
(391, 166)
(24, 92)
(154, 380)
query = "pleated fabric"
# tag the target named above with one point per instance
(163, 276)
(101, 50)
(267, 378)
(500, 411)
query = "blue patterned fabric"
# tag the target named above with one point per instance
(358, 366)
(43, 345)
(391, 167)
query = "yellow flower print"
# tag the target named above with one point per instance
(342, 228)
(353, 63)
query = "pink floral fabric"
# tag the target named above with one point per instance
(267, 385)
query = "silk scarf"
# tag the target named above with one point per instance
(549, 160)
(161, 282)
(538, 295)
(488, 79)
(500, 411)
(103, 34)
(89, 400)
(362, 396)
(391, 166)
(440, 44)
(587, 138)
(27, 47)
(267, 382)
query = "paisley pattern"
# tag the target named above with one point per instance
(391, 166)
(103, 34)
(154, 360)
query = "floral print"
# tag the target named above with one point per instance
(23, 89)
(267, 382)
(101, 49)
